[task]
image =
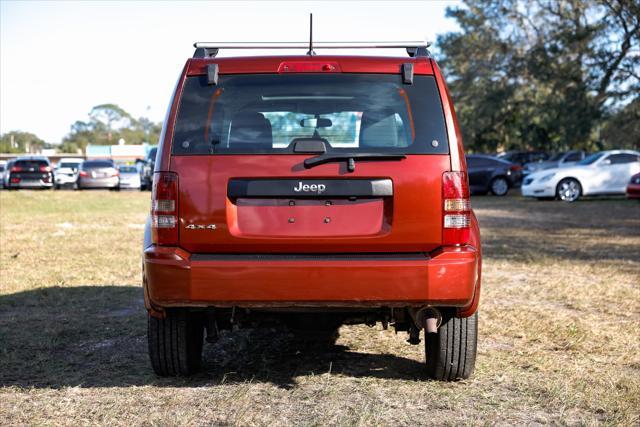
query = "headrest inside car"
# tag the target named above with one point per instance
(250, 128)
(380, 130)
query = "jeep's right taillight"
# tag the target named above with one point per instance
(164, 209)
(456, 209)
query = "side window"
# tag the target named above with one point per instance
(573, 157)
(617, 159)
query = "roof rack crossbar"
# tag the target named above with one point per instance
(211, 49)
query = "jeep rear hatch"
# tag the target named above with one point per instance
(367, 179)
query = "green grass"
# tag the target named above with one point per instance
(67, 238)
(559, 329)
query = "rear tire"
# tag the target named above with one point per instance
(451, 352)
(175, 343)
(499, 186)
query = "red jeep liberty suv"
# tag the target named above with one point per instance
(315, 190)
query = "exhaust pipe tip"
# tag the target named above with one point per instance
(432, 325)
(428, 318)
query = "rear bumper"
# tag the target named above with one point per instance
(111, 182)
(174, 277)
(129, 184)
(65, 180)
(30, 184)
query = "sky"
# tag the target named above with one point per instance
(59, 59)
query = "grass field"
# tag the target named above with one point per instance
(559, 329)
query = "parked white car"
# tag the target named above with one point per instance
(66, 172)
(605, 172)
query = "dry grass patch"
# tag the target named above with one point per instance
(559, 330)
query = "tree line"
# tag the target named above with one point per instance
(107, 124)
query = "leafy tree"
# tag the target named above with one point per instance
(20, 142)
(104, 116)
(107, 124)
(541, 73)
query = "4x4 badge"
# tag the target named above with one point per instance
(201, 227)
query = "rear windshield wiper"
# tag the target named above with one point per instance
(350, 158)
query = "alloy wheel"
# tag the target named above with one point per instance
(499, 186)
(569, 190)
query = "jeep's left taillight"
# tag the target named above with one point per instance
(164, 209)
(456, 209)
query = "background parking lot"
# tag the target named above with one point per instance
(559, 321)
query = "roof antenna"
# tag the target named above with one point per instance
(311, 52)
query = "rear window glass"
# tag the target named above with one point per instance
(264, 114)
(31, 164)
(69, 165)
(97, 164)
(127, 169)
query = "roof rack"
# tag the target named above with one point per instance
(211, 49)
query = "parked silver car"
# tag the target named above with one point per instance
(98, 174)
(129, 177)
